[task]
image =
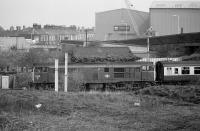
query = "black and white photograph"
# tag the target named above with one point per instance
(99, 65)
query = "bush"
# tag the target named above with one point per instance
(22, 80)
(184, 93)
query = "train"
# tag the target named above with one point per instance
(118, 75)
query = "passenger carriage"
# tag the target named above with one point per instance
(178, 72)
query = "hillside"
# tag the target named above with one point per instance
(94, 111)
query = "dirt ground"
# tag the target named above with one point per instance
(94, 111)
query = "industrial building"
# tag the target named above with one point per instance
(175, 16)
(121, 24)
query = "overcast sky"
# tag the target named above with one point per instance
(59, 12)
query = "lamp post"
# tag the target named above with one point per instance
(178, 22)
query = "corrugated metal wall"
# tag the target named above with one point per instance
(164, 23)
(105, 22)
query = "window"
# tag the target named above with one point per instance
(119, 72)
(144, 68)
(169, 71)
(196, 70)
(175, 70)
(122, 28)
(118, 69)
(106, 69)
(169, 68)
(185, 70)
(116, 28)
(147, 68)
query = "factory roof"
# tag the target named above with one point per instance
(195, 4)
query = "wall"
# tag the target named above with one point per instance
(19, 43)
(164, 23)
(105, 22)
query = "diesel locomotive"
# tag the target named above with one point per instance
(119, 76)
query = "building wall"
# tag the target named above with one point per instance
(19, 43)
(105, 22)
(164, 23)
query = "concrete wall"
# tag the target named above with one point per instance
(105, 22)
(20, 43)
(164, 23)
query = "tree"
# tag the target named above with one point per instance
(1, 28)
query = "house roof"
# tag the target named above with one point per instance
(176, 4)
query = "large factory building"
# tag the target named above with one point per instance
(175, 16)
(121, 24)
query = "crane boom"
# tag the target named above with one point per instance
(128, 4)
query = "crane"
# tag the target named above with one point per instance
(128, 8)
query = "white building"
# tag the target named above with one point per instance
(15, 43)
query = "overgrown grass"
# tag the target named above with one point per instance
(93, 111)
(183, 93)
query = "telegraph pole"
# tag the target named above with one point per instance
(86, 38)
(56, 75)
(66, 72)
(148, 48)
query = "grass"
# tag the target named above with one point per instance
(94, 111)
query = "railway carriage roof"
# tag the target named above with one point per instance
(181, 63)
(109, 64)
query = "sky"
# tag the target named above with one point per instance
(59, 12)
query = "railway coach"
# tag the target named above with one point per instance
(181, 72)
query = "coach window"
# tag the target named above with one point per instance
(196, 70)
(175, 70)
(106, 69)
(185, 70)
(169, 70)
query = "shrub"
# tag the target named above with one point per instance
(22, 80)
(185, 93)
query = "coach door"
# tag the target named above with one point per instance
(137, 74)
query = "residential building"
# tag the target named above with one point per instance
(14, 43)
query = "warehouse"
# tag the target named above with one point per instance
(121, 24)
(174, 17)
